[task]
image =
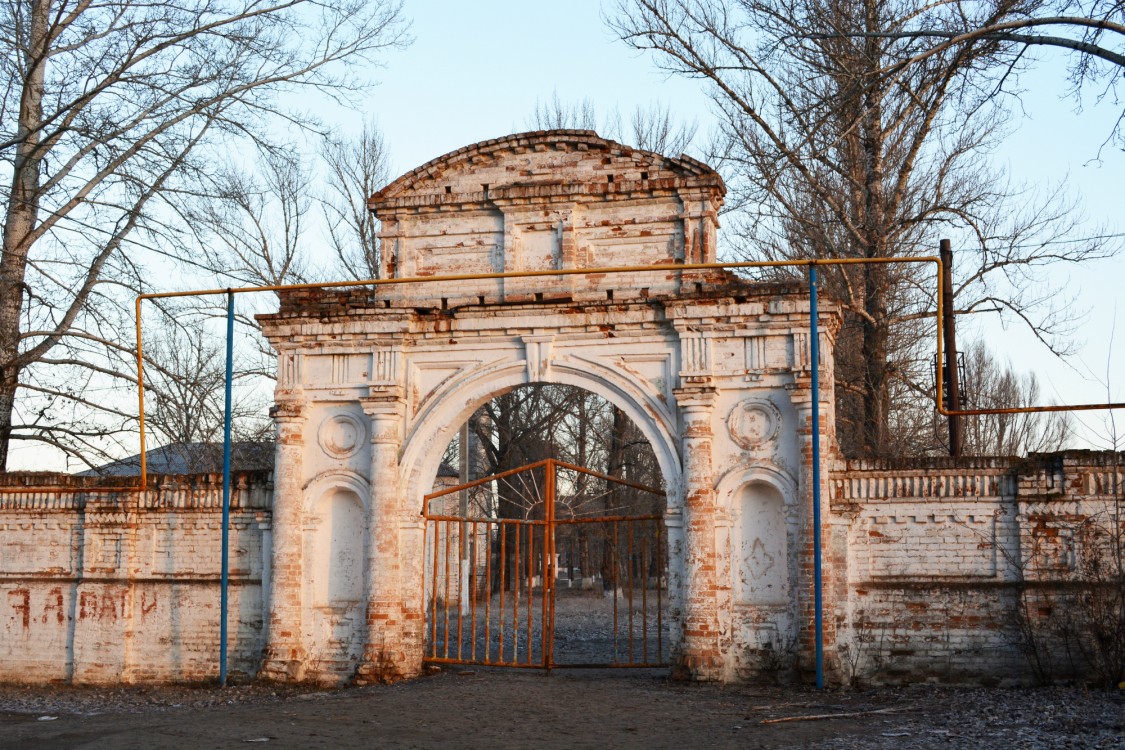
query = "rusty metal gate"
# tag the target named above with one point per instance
(546, 566)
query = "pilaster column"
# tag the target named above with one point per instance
(393, 644)
(701, 654)
(103, 592)
(833, 545)
(285, 653)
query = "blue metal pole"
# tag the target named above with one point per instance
(818, 583)
(223, 595)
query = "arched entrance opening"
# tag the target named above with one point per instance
(545, 537)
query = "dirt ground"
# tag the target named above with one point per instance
(475, 707)
(480, 708)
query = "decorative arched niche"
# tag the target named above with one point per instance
(762, 503)
(761, 546)
(337, 544)
(335, 572)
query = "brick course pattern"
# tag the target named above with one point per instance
(944, 557)
(104, 586)
(931, 558)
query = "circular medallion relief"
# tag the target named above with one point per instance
(341, 435)
(753, 424)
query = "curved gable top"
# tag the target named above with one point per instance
(541, 164)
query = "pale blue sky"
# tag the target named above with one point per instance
(477, 69)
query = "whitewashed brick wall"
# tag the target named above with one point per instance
(940, 552)
(105, 586)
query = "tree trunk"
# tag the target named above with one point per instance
(876, 391)
(615, 468)
(21, 217)
(876, 395)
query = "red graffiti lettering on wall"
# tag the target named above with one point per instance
(20, 599)
(87, 605)
(103, 605)
(146, 606)
(54, 604)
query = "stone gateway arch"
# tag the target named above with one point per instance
(374, 382)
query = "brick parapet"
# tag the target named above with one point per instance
(46, 491)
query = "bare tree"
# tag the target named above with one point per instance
(988, 383)
(828, 157)
(185, 387)
(111, 114)
(992, 385)
(540, 421)
(555, 114)
(653, 128)
(251, 228)
(547, 420)
(356, 169)
(1093, 31)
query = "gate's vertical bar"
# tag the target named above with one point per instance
(612, 568)
(530, 586)
(503, 527)
(644, 601)
(224, 583)
(516, 587)
(460, 583)
(547, 636)
(473, 591)
(488, 591)
(425, 571)
(434, 589)
(463, 507)
(554, 526)
(818, 593)
(445, 599)
(629, 581)
(662, 561)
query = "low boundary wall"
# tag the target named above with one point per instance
(102, 586)
(955, 568)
